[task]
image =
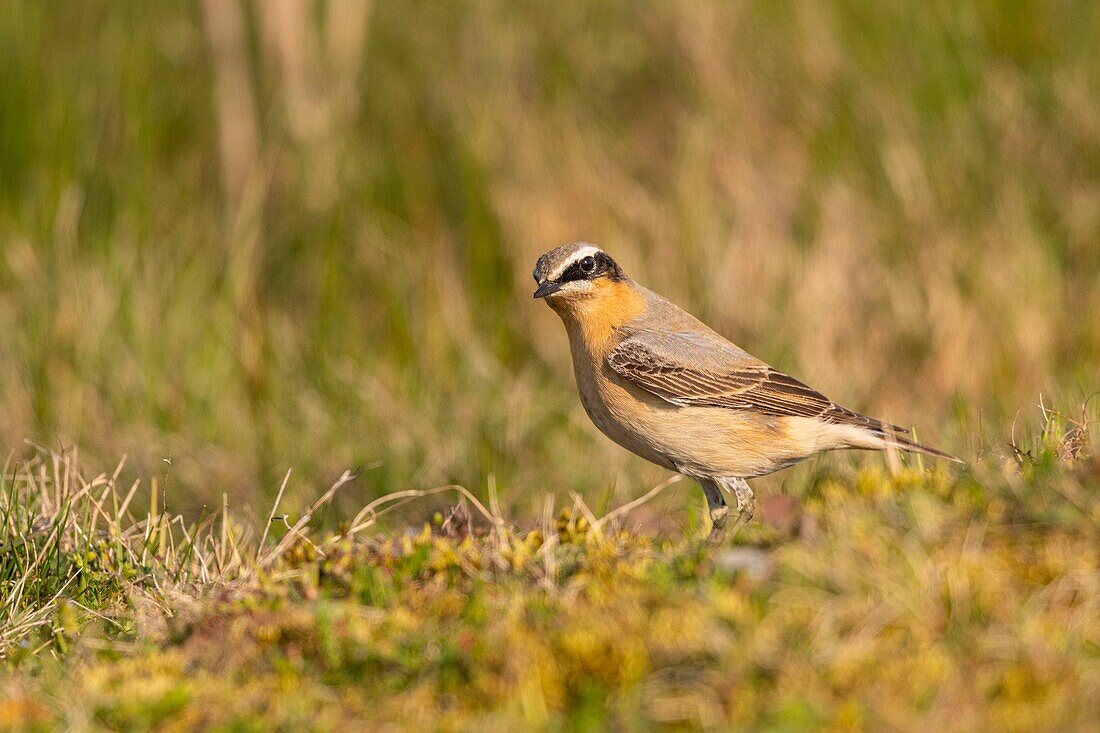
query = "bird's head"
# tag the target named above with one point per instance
(574, 273)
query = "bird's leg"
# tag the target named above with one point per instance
(719, 512)
(746, 502)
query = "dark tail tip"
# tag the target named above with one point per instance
(912, 446)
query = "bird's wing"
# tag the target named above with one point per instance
(705, 370)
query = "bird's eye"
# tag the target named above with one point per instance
(588, 264)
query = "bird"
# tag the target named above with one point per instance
(667, 387)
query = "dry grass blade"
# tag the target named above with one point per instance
(295, 531)
(369, 514)
(271, 514)
(630, 506)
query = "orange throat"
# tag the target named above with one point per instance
(609, 306)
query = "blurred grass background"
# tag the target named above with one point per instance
(260, 235)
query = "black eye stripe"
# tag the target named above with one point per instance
(573, 272)
(601, 265)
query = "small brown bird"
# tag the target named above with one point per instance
(665, 386)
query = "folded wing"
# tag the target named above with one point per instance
(704, 370)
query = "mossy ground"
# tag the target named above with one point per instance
(918, 599)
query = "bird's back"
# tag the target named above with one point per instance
(695, 341)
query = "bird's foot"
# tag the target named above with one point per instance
(746, 508)
(718, 517)
(743, 518)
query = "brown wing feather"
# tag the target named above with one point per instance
(732, 380)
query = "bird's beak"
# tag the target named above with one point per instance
(546, 288)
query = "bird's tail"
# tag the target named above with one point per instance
(892, 440)
(872, 434)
